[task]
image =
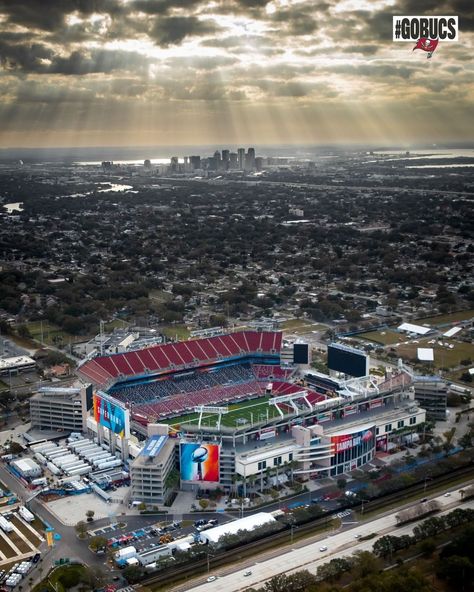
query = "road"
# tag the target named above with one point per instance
(309, 556)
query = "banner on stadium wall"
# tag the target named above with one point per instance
(350, 410)
(110, 415)
(199, 462)
(267, 433)
(325, 416)
(382, 443)
(376, 403)
(348, 441)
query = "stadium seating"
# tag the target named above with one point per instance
(264, 372)
(185, 354)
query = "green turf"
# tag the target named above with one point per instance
(49, 334)
(385, 337)
(257, 407)
(453, 317)
(443, 356)
(173, 331)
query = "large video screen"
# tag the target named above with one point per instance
(347, 360)
(111, 416)
(199, 462)
(301, 353)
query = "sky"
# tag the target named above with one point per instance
(229, 72)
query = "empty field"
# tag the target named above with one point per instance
(50, 334)
(302, 326)
(453, 317)
(256, 410)
(386, 337)
(175, 331)
(444, 357)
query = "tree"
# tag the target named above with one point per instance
(204, 503)
(98, 542)
(457, 570)
(341, 483)
(90, 515)
(132, 574)
(365, 564)
(448, 439)
(81, 529)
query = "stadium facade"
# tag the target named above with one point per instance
(230, 410)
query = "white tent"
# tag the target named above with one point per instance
(452, 331)
(410, 328)
(248, 523)
(425, 354)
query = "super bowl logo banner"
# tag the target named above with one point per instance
(109, 415)
(199, 462)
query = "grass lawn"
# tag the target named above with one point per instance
(68, 574)
(51, 334)
(292, 323)
(386, 337)
(302, 326)
(116, 324)
(4, 386)
(443, 356)
(160, 296)
(258, 408)
(453, 317)
(171, 331)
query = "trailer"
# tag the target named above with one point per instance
(64, 460)
(57, 453)
(108, 465)
(43, 446)
(94, 455)
(70, 468)
(80, 471)
(125, 553)
(97, 460)
(40, 458)
(26, 514)
(70, 479)
(5, 525)
(39, 481)
(100, 492)
(53, 468)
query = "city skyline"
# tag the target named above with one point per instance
(250, 72)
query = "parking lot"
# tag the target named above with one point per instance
(24, 539)
(71, 509)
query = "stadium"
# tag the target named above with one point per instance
(253, 406)
(166, 381)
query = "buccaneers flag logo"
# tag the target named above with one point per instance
(428, 45)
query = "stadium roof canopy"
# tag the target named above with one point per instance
(425, 354)
(410, 328)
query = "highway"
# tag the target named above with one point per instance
(308, 556)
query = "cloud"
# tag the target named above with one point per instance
(172, 30)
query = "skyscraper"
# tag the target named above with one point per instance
(241, 156)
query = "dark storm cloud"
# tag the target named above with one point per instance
(297, 20)
(172, 30)
(24, 57)
(50, 15)
(162, 6)
(41, 59)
